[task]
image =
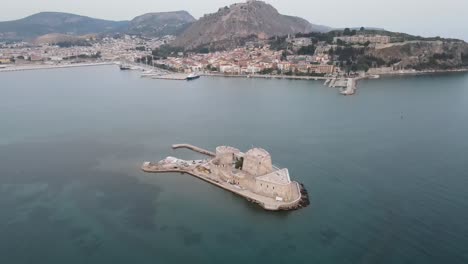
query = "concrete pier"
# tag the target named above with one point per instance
(194, 148)
(172, 76)
(350, 87)
(347, 86)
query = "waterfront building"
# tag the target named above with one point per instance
(5, 61)
(327, 69)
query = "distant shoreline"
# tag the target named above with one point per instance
(316, 78)
(49, 67)
(426, 72)
(13, 68)
(292, 77)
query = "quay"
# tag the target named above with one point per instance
(250, 175)
(347, 86)
(173, 76)
(52, 66)
(265, 76)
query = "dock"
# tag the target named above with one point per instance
(171, 76)
(348, 86)
(194, 148)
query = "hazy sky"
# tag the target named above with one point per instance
(446, 18)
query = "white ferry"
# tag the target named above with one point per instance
(192, 76)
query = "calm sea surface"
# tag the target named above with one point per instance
(387, 170)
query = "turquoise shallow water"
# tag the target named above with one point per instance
(386, 170)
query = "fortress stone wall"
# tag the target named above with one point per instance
(257, 173)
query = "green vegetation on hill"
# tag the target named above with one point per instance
(55, 22)
(160, 24)
(417, 53)
(166, 51)
(307, 50)
(68, 44)
(278, 43)
(464, 58)
(84, 56)
(355, 59)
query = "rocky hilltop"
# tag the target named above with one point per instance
(160, 24)
(436, 54)
(54, 22)
(253, 18)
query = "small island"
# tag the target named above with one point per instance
(250, 175)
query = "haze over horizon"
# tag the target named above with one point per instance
(440, 18)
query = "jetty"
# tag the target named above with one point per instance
(350, 87)
(172, 76)
(347, 86)
(250, 175)
(194, 148)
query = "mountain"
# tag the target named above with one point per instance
(55, 22)
(253, 18)
(160, 24)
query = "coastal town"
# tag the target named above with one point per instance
(340, 61)
(253, 58)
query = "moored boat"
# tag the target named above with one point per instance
(192, 76)
(124, 67)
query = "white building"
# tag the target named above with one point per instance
(374, 39)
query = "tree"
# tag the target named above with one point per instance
(307, 50)
(362, 29)
(204, 50)
(340, 42)
(464, 58)
(166, 50)
(284, 56)
(347, 32)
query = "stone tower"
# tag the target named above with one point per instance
(257, 162)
